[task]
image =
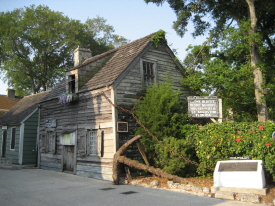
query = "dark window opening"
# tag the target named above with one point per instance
(71, 84)
(148, 73)
(13, 138)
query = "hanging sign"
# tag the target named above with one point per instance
(122, 126)
(50, 123)
(203, 107)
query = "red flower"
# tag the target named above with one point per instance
(250, 132)
(261, 127)
(238, 140)
(215, 142)
(267, 144)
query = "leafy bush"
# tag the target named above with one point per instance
(216, 142)
(171, 162)
(163, 113)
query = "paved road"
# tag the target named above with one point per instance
(36, 187)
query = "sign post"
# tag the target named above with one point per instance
(205, 107)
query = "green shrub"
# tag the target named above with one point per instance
(163, 113)
(216, 142)
(171, 162)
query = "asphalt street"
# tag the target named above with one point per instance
(37, 187)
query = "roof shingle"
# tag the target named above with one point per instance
(22, 109)
(7, 103)
(122, 57)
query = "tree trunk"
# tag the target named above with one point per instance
(153, 170)
(116, 156)
(133, 163)
(255, 59)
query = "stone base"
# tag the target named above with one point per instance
(240, 190)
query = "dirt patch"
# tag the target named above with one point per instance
(205, 182)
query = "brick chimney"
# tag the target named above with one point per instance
(80, 55)
(11, 93)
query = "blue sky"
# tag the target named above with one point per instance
(132, 19)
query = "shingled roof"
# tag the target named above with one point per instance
(22, 109)
(7, 103)
(121, 58)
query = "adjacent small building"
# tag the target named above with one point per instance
(18, 131)
(82, 124)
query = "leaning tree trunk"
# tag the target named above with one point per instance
(255, 59)
(135, 164)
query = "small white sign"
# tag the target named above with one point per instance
(203, 107)
(68, 139)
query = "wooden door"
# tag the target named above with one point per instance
(4, 143)
(68, 158)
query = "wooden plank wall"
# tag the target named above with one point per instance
(30, 135)
(13, 154)
(129, 89)
(86, 113)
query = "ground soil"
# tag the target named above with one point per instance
(207, 182)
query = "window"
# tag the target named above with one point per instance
(13, 133)
(71, 83)
(92, 142)
(68, 139)
(49, 141)
(148, 73)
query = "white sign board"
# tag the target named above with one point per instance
(203, 107)
(239, 174)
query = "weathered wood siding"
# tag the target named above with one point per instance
(13, 154)
(86, 114)
(29, 139)
(130, 87)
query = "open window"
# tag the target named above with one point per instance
(71, 84)
(148, 72)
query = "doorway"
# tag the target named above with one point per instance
(68, 158)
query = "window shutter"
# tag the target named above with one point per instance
(43, 139)
(47, 145)
(102, 144)
(53, 136)
(99, 143)
(87, 143)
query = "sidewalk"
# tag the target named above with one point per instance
(27, 187)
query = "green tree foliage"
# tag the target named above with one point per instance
(225, 73)
(104, 33)
(36, 46)
(159, 37)
(36, 43)
(216, 17)
(163, 113)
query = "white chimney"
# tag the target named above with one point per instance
(11, 93)
(80, 55)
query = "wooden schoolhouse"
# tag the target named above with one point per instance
(81, 126)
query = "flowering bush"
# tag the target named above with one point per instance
(216, 142)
